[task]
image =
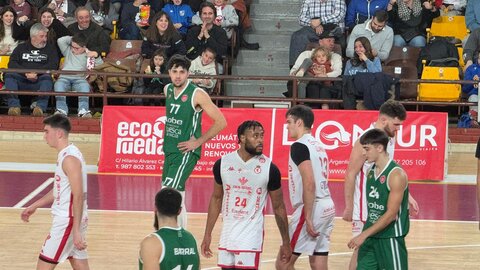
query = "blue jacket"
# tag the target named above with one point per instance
(472, 15)
(180, 14)
(472, 73)
(359, 11)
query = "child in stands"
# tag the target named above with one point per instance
(204, 65)
(154, 86)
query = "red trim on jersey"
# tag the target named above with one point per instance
(70, 207)
(65, 237)
(362, 177)
(257, 261)
(240, 250)
(297, 231)
(237, 266)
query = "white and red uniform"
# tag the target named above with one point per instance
(308, 148)
(245, 189)
(359, 200)
(59, 243)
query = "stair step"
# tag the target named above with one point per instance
(256, 88)
(275, 57)
(275, 24)
(260, 69)
(279, 10)
(269, 41)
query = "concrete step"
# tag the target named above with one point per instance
(275, 57)
(275, 24)
(299, 2)
(256, 88)
(279, 10)
(261, 69)
(280, 40)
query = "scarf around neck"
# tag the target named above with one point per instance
(404, 12)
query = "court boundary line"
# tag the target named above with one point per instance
(34, 193)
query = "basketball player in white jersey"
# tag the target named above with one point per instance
(390, 118)
(312, 220)
(243, 179)
(68, 200)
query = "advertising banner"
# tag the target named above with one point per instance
(132, 140)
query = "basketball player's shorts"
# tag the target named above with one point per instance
(240, 260)
(383, 253)
(59, 243)
(177, 168)
(323, 215)
(357, 227)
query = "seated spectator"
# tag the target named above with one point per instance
(97, 40)
(315, 17)
(362, 10)
(56, 29)
(471, 90)
(76, 59)
(23, 10)
(180, 15)
(64, 9)
(451, 7)
(378, 33)
(154, 86)
(10, 32)
(103, 13)
(37, 53)
(204, 65)
(472, 15)
(162, 35)
(363, 59)
(226, 18)
(327, 41)
(130, 20)
(199, 37)
(409, 18)
(471, 48)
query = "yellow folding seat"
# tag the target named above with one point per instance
(448, 26)
(4, 59)
(439, 91)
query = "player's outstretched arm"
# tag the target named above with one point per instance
(398, 183)
(47, 199)
(355, 164)
(73, 169)
(151, 249)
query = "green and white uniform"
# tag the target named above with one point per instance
(179, 250)
(385, 249)
(183, 122)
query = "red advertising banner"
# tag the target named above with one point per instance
(132, 140)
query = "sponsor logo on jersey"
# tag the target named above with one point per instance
(184, 251)
(184, 98)
(382, 179)
(258, 169)
(259, 190)
(230, 169)
(243, 180)
(376, 206)
(261, 160)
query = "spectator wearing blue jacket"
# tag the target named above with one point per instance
(361, 10)
(471, 90)
(180, 14)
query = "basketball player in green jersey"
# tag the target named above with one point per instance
(185, 103)
(381, 244)
(170, 247)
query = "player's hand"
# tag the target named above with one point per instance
(347, 214)
(311, 229)
(205, 246)
(414, 208)
(285, 253)
(188, 146)
(27, 213)
(78, 241)
(356, 242)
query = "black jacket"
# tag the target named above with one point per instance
(218, 41)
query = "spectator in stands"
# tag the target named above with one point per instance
(154, 86)
(409, 18)
(326, 40)
(199, 37)
(315, 17)
(180, 14)
(130, 20)
(472, 15)
(23, 10)
(471, 90)
(64, 9)
(451, 7)
(97, 40)
(56, 29)
(363, 59)
(37, 53)
(243, 7)
(76, 59)
(378, 33)
(227, 17)
(362, 10)
(162, 34)
(204, 65)
(103, 13)
(471, 48)
(10, 32)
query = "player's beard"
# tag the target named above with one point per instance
(390, 133)
(252, 150)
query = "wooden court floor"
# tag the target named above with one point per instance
(114, 237)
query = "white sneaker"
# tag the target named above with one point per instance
(84, 114)
(60, 111)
